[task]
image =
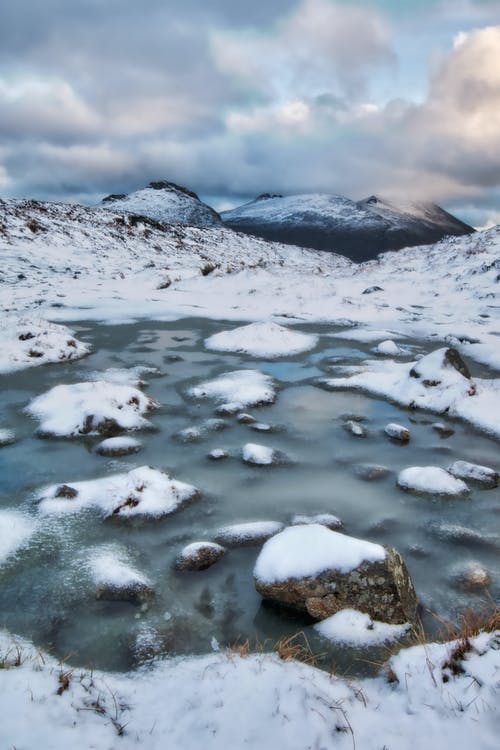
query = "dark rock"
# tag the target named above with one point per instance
(372, 289)
(64, 490)
(136, 592)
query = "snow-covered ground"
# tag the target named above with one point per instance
(69, 263)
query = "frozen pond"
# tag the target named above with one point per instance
(45, 593)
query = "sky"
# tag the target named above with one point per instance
(399, 98)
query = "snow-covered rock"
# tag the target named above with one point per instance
(238, 389)
(199, 556)
(16, 529)
(217, 454)
(314, 569)
(355, 428)
(97, 408)
(397, 432)
(118, 446)
(7, 437)
(323, 519)
(251, 532)
(165, 201)
(268, 340)
(481, 475)
(125, 375)
(115, 578)
(28, 341)
(141, 492)
(261, 455)
(355, 628)
(370, 472)
(389, 348)
(472, 576)
(442, 429)
(431, 480)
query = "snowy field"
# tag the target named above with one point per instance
(280, 321)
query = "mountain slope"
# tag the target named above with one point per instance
(165, 201)
(335, 223)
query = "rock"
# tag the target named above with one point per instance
(427, 369)
(431, 480)
(118, 446)
(218, 454)
(462, 535)
(389, 348)
(313, 569)
(372, 289)
(355, 428)
(135, 592)
(442, 430)
(244, 534)
(261, 427)
(323, 519)
(473, 576)
(397, 432)
(199, 556)
(370, 472)
(481, 475)
(261, 455)
(244, 418)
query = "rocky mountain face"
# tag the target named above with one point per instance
(165, 202)
(359, 230)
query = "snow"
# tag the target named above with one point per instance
(439, 388)
(249, 532)
(238, 389)
(323, 519)
(358, 629)
(15, 531)
(110, 566)
(260, 455)
(397, 432)
(28, 341)
(6, 437)
(389, 348)
(197, 702)
(118, 446)
(268, 340)
(125, 376)
(140, 492)
(474, 472)
(431, 480)
(81, 408)
(307, 550)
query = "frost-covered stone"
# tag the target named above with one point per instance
(245, 418)
(268, 340)
(243, 534)
(397, 432)
(217, 454)
(116, 579)
(355, 628)
(261, 455)
(199, 556)
(313, 569)
(431, 480)
(261, 427)
(7, 437)
(323, 519)
(118, 446)
(472, 576)
(370, 472)
(141, 492)
(442, 429)
(98, 408)
(481, 475)
(237, 390)
(30, 341)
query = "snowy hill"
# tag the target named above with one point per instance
(335, 223)
(165, 201)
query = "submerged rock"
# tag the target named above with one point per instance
(319, 571)
(118, 446)
(199, 556)
(243, 534)
(371, 472)
(472, 577)
(442, 430)
(481, 475)
(355, 428)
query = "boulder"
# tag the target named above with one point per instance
(474, 473)
(315, 570)
(431, 368)
(199, 556)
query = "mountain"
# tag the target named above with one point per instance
(166, 202)
(359, 230)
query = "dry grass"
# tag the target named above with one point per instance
(292, 648)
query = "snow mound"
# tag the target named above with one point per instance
(15, 531)
(91, 409)
(238, 389)
(358, 629)
(307, 550)
(431, 480)
(26, 342)
(268, 340)
(141, 492)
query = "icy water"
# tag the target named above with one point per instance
(46, 593)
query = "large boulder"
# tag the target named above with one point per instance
(315, 570)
